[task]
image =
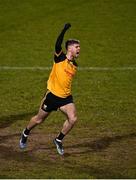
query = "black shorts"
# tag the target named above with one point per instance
(52, 102)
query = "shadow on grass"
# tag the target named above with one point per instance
(99, 144)
(77, 149)
(8, 153)
(6, 121)
(4, 177)
(98, 172)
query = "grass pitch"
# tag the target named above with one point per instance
(103, 143)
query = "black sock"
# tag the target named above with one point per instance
(25, 135)
(60, 136)
(26, 131)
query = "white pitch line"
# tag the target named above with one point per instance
(79, 68)
(107, 68)
(24, 68)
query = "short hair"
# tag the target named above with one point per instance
(71, 42)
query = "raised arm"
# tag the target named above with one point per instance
(60, 38)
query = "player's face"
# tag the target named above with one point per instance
(75, 50)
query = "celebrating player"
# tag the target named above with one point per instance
(58, 95)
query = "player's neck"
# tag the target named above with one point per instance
(69, 57)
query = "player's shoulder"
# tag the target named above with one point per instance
(59, 57)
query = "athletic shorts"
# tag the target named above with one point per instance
(52, 102)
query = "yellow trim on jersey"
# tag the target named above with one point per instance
(58, 53)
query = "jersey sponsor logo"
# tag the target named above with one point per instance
(69, 73)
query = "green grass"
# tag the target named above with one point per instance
(102, 144)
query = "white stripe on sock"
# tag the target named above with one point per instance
(58, 140)
(25, 134)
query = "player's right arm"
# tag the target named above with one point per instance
(59, 41)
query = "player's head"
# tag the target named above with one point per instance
(73, 46)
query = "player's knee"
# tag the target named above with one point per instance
(73, 119)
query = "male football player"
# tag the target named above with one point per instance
(58, 95)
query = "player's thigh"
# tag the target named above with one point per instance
(42, 114)
(70, 111)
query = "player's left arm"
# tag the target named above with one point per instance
(60, 38)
